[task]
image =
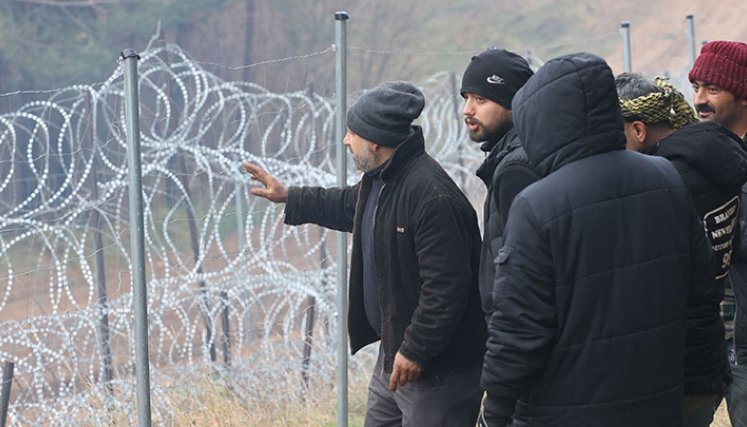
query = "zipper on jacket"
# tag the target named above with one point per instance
(734, 335)
(378, 278)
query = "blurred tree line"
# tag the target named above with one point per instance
(49, 44)
(283, 45)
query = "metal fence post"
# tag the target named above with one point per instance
(194, 241)
(5, 392)
(239, 203)
(137, 237)
(456, 98)
(625, 31)
(225, 328)
(308, 337)
(691, 39)
(102, 326)
(342, 238)
(456, 103)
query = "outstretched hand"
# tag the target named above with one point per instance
(273, 190)
(403, 372)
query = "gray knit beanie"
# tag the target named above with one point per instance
(384, 114)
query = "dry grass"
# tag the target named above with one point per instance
(213, 403)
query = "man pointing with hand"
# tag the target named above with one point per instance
(414, 263)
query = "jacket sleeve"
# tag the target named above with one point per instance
(522, 325)
(332, 208)
(740, 248)
(446, 236)
(704, 329)
(738, 281)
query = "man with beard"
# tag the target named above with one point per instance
(488, 86)
(713, 167)
(413, 273)
(719, 78)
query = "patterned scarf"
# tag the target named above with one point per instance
(656, 107)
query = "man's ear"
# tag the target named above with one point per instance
(640, 130)
(377, 148)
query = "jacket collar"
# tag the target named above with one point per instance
(714, 151)
(490, 144)
(407, 150)
(505, 145)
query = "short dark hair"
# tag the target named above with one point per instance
(634, 85)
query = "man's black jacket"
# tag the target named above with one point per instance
(427, 245)
(713, 165)
(738, 276)
(505, 171)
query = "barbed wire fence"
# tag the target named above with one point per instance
(232, 292)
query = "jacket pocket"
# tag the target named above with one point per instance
(496, 244)
(504, 254)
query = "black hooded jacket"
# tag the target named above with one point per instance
(601, 259)
(426, 251)
(738, 277)
(505, 171)
(713, 165)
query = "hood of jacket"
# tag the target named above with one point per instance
(567, 111)
(508, 143)
(711, 149)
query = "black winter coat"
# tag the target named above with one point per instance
(713, 166)
(601, 259)
(738, 273)
(426, 251)
(506, 171)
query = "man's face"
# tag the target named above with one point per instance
(483, 117)
(362, 150)
(713, 103)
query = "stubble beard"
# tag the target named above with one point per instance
(724, 116)
(483, 133)
(365, 160)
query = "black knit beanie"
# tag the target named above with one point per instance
(384, 114)
(496, 74)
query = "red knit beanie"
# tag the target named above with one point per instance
(724, 64)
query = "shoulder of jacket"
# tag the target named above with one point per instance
(517, 158)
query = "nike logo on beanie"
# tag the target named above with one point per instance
(496, 80)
